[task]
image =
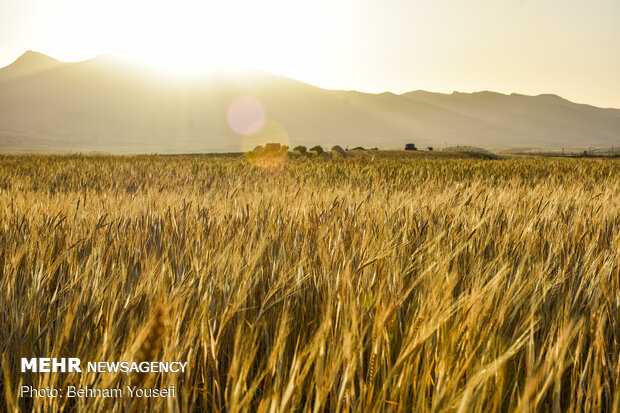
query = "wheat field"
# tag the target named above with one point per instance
(440, 283)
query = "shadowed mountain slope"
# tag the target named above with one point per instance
(104, 104)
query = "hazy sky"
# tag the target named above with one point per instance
(568, 47)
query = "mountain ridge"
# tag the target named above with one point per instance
(28, 63)
(101, 104)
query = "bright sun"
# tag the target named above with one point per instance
(190, 37)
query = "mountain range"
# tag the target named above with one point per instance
(107, 105)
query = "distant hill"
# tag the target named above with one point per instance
(106, 105)
(28, 64)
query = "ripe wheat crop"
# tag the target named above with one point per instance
(420, 284)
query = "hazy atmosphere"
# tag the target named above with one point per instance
(569, 48)
(322, 206)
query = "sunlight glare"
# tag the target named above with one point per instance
(195, 37)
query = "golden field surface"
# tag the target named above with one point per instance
(429, 283)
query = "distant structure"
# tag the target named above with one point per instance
(410, 147)
(269, 149)
(359, 148)
(272, 147)
(430, 148)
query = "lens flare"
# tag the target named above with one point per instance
(246, 115)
